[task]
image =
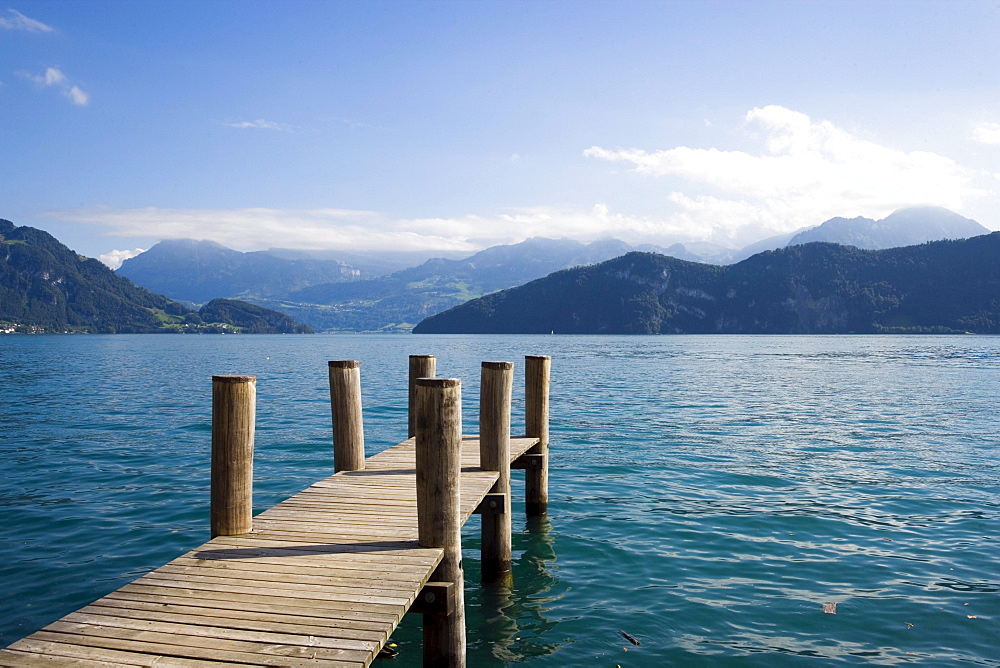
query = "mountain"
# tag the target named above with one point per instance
(46, 287)
(815, 288)
(199, 271)
(369, 263)
(903, 227)
(334, 295)
(252, 319)
(397, 301)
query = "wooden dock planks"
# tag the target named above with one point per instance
(323, 579)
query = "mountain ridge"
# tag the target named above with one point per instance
(941, 286)
(333, 295)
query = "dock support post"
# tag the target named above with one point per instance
(421, 366)
(494, 455)
(536, 425)
(439, 521)
(234, 407)
(348, 426)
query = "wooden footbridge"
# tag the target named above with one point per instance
(324, 577)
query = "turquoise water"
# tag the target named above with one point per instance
(708, 494)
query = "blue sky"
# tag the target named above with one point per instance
(458, 125)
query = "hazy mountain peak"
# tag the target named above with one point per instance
(933, 218)
(189, 245)
(905, 227)
(198, 271)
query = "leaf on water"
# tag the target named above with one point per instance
(830, 608)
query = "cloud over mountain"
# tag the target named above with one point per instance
(803, 170)
(797, 171)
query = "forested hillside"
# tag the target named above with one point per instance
(46, 287)
(818, 288)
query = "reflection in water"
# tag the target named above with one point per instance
(513, 612)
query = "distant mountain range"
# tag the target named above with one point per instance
(905, 227)
(332, 295)
(815, 288)
(403, 298)
(46, 287)
(345, 294)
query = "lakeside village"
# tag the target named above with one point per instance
(186, 328)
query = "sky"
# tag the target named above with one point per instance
(453, 126)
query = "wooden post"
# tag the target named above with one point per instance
(439, 521)
(494, 455)
(234, 406)
(348, 425)
(536, 424)
(421, 366)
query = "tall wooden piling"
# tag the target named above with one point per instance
(348, 425)
(438, 464)
(234, 407)
(421, 366)
(536, 424)
(494, 455)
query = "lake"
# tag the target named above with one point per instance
(709, 495)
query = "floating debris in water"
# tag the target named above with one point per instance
(387, 653)
(830, 608)
(631, 639)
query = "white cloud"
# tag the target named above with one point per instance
(77, 96)
(806, 172)
(15, 20)
(54, 77)
(254, 229)
(987, 133)
(802, 173)
(260, 124)
(115, 258)
(51, 77)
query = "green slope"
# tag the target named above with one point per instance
(944, 286)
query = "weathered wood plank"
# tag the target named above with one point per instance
(236, 619)
(80, 621)
(360, 619)
(318, 568)
(237, 585)
(254, 654)
(30, 652)
(288, 576)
